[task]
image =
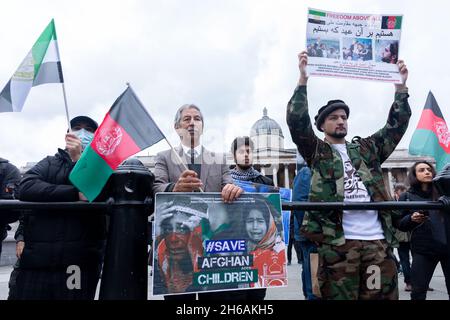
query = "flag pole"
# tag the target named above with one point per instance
(168, 142)
(67, 108)
(62, 78)
(179, 158)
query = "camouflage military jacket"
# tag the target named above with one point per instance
(327, 180)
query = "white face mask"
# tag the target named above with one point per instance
(85, 137)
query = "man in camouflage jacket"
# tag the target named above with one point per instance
(350, 243)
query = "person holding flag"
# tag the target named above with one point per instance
(59, 246)
(191, 167)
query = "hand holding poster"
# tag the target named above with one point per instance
(202, 244)
(353, 46)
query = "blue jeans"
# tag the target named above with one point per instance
(307, 248)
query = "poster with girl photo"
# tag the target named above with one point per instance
(202, 244)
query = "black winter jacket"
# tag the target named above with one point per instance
(55, 240)
(9, 179)
(422, 240)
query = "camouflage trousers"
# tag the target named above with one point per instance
(357, 270)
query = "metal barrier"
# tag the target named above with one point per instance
(294, 205)
(124, 275)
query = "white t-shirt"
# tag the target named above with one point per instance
(357, 224)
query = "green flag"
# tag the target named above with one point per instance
(41, 65)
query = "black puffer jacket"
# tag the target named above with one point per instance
(422, 240)
(58, 240)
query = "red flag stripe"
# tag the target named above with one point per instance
(429, 121)
(113, 143)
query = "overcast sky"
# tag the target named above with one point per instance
(231, 58)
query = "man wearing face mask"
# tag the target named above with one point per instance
(59, 255)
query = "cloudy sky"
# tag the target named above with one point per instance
(232, 58)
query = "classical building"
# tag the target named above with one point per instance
(280, 164)
(270, 156)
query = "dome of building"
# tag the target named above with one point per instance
(266, 126)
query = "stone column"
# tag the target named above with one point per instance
(275, 178)
(391, 188)
(286, 175)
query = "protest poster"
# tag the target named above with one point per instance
(285, 195)
(353, 46)
(202, 244)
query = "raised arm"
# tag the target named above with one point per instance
(388, 137)
(297, 115)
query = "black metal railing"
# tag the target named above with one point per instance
(386, 205)
(294, 205)
(125, 266)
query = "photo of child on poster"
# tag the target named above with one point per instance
(202, 244)
(265, 243)
(357, 49)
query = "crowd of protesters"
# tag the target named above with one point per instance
(334, 247)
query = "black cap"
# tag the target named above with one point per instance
(83, 119)
(324, 111)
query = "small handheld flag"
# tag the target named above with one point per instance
(126, 129)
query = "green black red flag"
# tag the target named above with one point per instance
(432, 137)
(126, 129)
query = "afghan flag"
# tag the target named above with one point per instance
(391, 22)
(126, 129)
(432, 137)
(41, 65)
